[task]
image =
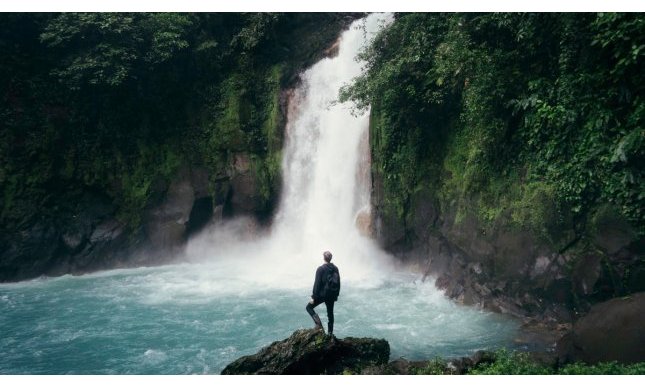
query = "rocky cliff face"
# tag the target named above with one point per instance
(91, 237)
(512, 270)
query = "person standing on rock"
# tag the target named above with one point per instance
(326, 289)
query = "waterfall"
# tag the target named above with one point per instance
(240, 290)
(326, 193)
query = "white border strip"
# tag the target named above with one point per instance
(322, 5)
(322, 381)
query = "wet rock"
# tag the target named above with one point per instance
(201, 213)
(481, 247)
(363, 223)
(613, 232)
(28, 253)
(243, 196)
(424, 213)
(612, 330)
(165, 224)
(218, 213)
(482, 357)
(332, 51)
(539, 335)
(311, 352)
(106, 231)
(482, 290)
(506, 305)
(389, 230)
(72, 240)
(540, 267)
(438, 366)
(199, 180)
(403, 366)
(559, 291)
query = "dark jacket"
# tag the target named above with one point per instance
(321, 276)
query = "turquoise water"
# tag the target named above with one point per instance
(187, 319)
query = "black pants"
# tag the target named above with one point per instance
(330, 312)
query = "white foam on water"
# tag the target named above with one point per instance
(154, 356)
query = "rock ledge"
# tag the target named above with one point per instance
(311, 352)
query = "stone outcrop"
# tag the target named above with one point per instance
(311, 352)
(165, 224)
(185, 207)
(612, 330)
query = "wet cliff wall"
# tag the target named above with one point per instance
(506, 152)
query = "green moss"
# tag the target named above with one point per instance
(265, 135)
(470, 186)
(320, 340)
(136, 181)
(267, 172)
(394, 160)
(272, 115)
(225, 131)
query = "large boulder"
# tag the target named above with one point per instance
(612, 330)
(311, 352)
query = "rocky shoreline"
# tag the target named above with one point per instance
(312, 352)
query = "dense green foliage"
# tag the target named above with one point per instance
(115, 102)
(513, 363)
(521, 363)
(538, 118)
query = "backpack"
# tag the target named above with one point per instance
(332, 285)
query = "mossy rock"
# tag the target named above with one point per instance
(311, 352)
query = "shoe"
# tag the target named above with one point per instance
(318, 322)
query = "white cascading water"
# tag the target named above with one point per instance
(326, 192)
(323, 192)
